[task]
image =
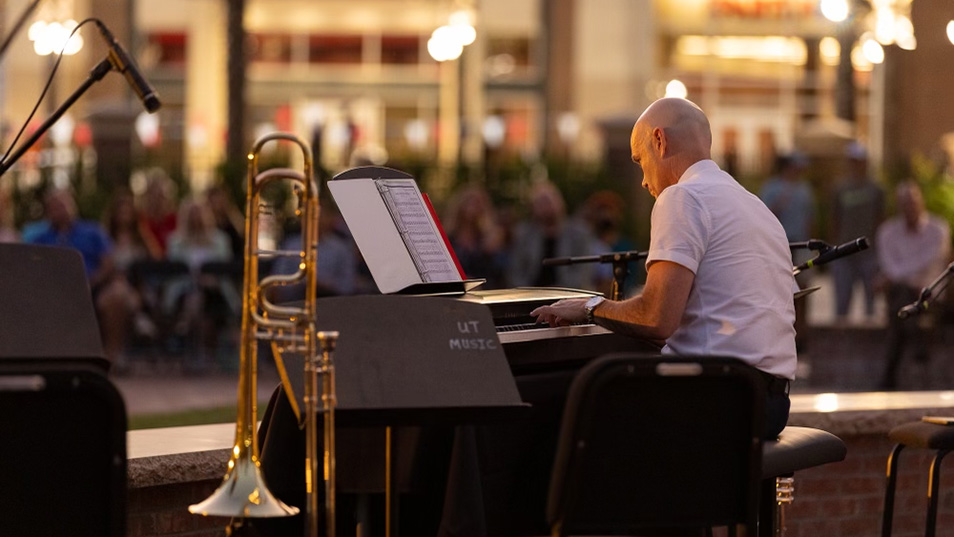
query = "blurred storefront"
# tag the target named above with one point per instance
(541, 77)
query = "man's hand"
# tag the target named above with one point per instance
(562, 313)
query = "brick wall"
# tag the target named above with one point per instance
(846, 498)
(163, 510)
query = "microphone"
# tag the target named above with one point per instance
(837, 252)
(912, 309)
(122, 62)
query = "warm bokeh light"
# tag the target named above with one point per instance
(53, 37)
(444, 44)
(950, 31)
(873, 51)
(830, 50)
(462, 23)
(675, 88)
(835, 10)
(772, 48)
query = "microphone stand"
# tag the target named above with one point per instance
(926, 295)
(619, 260)
(95, 75)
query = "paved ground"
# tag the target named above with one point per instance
(149, 388)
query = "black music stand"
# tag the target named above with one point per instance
(46, 310)
(404, 361)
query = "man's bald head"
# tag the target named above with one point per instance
(670, 135)
(686, 122)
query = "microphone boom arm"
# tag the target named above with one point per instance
(95, 75)
(927, 293)
(619, 260)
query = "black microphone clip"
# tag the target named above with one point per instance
(123, 62)
(830, 254)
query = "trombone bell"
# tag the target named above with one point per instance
(243, 490)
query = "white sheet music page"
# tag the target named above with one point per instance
(418, 230)
(373, 229)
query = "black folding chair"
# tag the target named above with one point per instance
(63, 458)
(657, 444)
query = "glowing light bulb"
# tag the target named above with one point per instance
(834, 10)
(675, 88)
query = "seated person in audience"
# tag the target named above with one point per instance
(111, 294)
(474, 234)
(548, 234)
(204, 301)
(158, 210)
(8, 232)
(719, 273)
(336, 267)
(132, 242)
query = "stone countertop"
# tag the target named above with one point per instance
(201, 452)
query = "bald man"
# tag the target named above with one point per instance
(719, 271)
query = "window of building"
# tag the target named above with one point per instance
(270, 48)
(167, 48)
(400, 49)
(334, 49)
(508, 56)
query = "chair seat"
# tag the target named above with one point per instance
(798, 448)
(921, 434)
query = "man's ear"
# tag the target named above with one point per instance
(659, 141)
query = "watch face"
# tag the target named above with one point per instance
(592, 303)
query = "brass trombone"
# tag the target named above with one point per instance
(290, 329)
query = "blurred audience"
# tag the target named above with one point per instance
(857, 210)
(337, 264)
(603, 212)
(789, 196)
(913, 248)
(203, 302)
(112, 296)
(548, 233)
(475, 235)
(158, 205)
(8, 232)
(228, 218)
(132, 241)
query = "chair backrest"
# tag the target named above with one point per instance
(63, 458)
(651, 442)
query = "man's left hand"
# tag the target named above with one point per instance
(562, 313)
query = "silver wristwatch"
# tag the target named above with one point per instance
(590, 306)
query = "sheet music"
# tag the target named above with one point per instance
(414, 223)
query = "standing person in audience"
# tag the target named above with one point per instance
(858, 209)
(913, 247)
(111, 295)
(719, 272)
(474, 234)
(549, 234)
(789, 196)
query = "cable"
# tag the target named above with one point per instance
(46, 88)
